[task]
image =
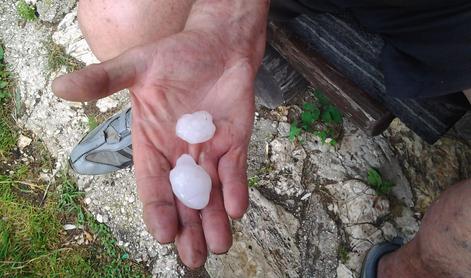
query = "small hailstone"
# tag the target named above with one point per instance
(190, 183)
(196, 128)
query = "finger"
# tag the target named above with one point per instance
(232, 170)
(99, 80)
(153, 186)
(217, 230)
(190, 239)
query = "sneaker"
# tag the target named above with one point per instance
(105, 149)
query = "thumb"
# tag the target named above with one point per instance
(98, 80)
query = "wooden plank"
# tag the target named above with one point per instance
(356, 105)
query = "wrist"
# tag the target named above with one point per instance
(237, 27)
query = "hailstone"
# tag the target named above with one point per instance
(190, 183)
(196, 128)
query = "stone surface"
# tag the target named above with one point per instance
(429, 168)
(264, 244)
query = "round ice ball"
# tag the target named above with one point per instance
(196, 128)
(190, 183)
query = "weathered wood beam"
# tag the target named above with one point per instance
(356, 105)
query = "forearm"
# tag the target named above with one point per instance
(238, 24)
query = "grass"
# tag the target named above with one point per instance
(26, 11)
(376, 181)
(343, 253)
(33, 242)
(57, 58)
(320, 118)
(7, 133)
(92, 122)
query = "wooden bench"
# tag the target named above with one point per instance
(341, 59)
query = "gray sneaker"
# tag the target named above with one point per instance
(105, 149)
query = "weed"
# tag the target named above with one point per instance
(26, 11)
(92, 122)
(343, 253)
(57, 58)
(7, 133)
(320, 118)
(253, 181)
(294, 131)
(376, 181)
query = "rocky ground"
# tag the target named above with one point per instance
(311, 213)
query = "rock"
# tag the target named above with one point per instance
(69, 227)
(23, 141)
(285, 175)
(53, 10)
(407, 224)
(355, 202)
(429, 168)
(263, 132)
(69, 36)
(344, 272)
(264, 244)
(318, 240)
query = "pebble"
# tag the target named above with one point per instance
(23, 142)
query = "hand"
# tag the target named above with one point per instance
(187, 72)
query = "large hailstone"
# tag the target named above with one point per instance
(190, 183)
(196, 128)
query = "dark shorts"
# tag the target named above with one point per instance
(427, 48)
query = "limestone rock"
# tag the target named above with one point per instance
(264, 244)
(53, 10)
(355, 202)
(319, 241)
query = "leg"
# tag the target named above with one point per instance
(442, 247)
(113, 26)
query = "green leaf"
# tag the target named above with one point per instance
(307, 118)
(333, 142)
(3, 84)
(321, 134)
(309, 107)
(321, 98)
(326, 117)
(294, 131)
(374, 178)
(2, 53)
(331, 115)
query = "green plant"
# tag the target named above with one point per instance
(92, 122)
(32, 238)
(7, 132)
(26, 11)
(376, 181)
(343, 253)
(253, 181)
(294, 131)
(318, 117)
(57, 58)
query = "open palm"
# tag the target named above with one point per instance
(181, 74)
